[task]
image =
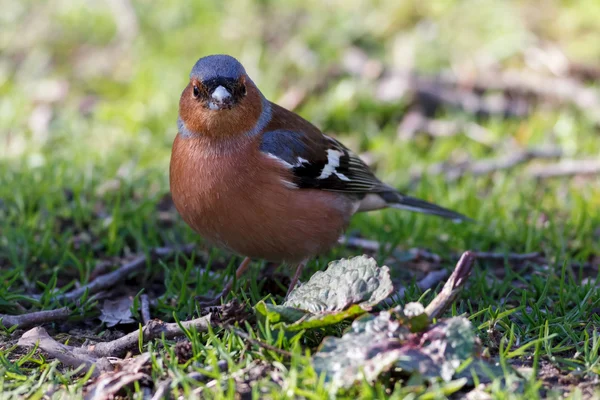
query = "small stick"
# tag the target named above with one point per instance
(68, 355)
(35, 318)
(108, 280)
(566, 168)
(415, 122)
(154, 329)
(161, 391)
(360, 243)
(111, 383)
(145, 308)
(488, 165)
(105, 281)
(453, 286)
(429, 281)
(98, 353)
(483, 255)
(425, 255)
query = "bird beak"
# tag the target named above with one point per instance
(220, 99)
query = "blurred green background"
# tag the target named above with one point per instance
(438, 96)
(89, 96)
(89, 92)
(85, 81)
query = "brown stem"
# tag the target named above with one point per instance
(68, 355)
(112, 278)
(453, 286)
(35, 318)
(154, 329)
(97, 354)
(566, 168)
(484, 255)
(429, 281)
(145, 308)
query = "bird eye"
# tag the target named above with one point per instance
(196, 92)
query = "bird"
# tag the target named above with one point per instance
(260, 181)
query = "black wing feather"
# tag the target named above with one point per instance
(309, 156)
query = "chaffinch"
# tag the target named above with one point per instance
(261, 181)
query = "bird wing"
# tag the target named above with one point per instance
(317, 161)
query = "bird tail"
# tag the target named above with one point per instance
(400, 201)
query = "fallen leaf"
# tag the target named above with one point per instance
(349, 287)
(439, 351)
(345, 282)
(371, 346)
(118, 311)
(110, 383)
(446, 351)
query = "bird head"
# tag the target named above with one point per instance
(220, 99)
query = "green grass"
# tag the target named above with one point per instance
(89, 185)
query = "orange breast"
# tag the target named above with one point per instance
(233, 197)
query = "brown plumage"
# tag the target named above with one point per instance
(236, 200)
(259, 180)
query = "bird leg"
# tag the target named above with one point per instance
(242, 268)
(296, 277)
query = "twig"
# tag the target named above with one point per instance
(161, 391)
(260, 343)
(453, 89)
(483, 167)
(483, 255)
(562, 90)
(108, 280)
(110, 383)
(432, 94)
(98, 353)
(145, 308)
(35, 318)
(566, 168)
(360, 243)
(588, 72)
(430, 280)
(517, 87)
(447, 89)
(422, 254)
(486, 166)
(72, 356)
(452, 287)
(154, 329)
(415, 122)
(105, 281)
